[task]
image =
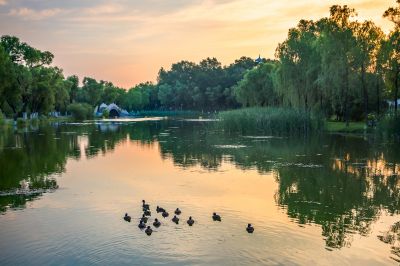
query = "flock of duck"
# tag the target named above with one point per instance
(146, 212)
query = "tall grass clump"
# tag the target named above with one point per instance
(270, 120)
(389, 126)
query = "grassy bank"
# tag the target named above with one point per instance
(353, 127)
(21, 123)
(167, 113)
(270, 120)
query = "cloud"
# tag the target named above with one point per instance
(103, 9)
(31, 14)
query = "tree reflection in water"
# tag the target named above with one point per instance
(342, 183)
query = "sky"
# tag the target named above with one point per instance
(128, 41)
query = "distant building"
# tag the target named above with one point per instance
(259, 60)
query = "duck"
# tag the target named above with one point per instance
(148, 230)
(127, 218)
(178, 211)
(190, 222)
(175, 219)
(250, 229)
(165, 214)
(141, 225)
(216, 217)
(156, 223)
(145, 206)
(147, 212)
(159, 209)
(143, 219)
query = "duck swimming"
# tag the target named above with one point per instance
(145, 206)
(190, 222)
(165, 214)
(216, 217)
(156, 223)
(250, 229)
(159, 209)
(147, 212)
(178, 211)
(127, 218)
(148, 230)
(141, 225)
(143, 219)
(175, 219)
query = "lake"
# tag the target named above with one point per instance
(329, 200)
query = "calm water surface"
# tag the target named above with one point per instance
(327, 200)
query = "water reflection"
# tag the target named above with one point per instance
(342, 183)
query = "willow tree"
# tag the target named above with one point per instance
(391, 53)
(368, 39)
(300, 62)
(337, 53)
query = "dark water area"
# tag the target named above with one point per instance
(326, 199)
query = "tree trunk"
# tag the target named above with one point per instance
(365, 92)
(378, 98)
(346, 96)
(396, 89)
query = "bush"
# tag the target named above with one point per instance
(106, 113)
(80, 111)
(22, 122)
(270, 120)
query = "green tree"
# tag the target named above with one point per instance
(368, 39)
(91, 91)
(257, 87)
(73, 92)
(391, 52)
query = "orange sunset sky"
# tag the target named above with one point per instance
(127, 41)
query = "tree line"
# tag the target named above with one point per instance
(336, 66)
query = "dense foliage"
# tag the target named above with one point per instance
(80, 111)
(337, 66)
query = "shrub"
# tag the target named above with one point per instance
(22, 122)
(80, 111)
(270, 120)
(106, 113)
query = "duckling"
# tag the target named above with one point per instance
(190, 222)
(178, 211)
(156, 223)
(147, 213)
(127, 218)
(141, 225)
(165, 214)
(216, 217)
(159, 209)
(143, 219)
(175, 219)
(145, 206)
(250, 229)
(148, 230)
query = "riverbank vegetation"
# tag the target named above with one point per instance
(270, 120)
(337, 67)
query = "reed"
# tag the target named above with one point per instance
(270, 120)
